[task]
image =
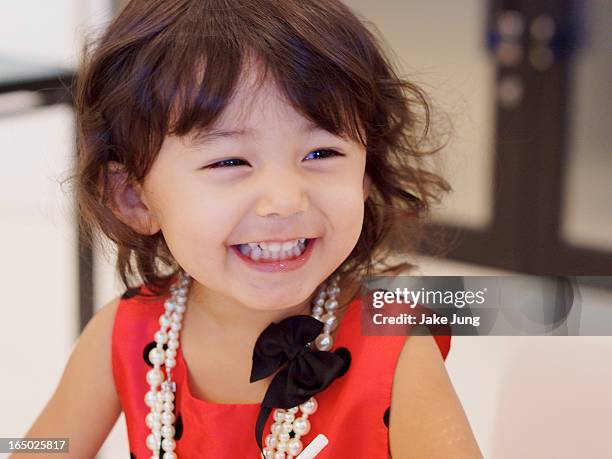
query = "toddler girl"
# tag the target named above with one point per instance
(252, 161)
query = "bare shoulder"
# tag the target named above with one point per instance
(84, 406)
(426, 419)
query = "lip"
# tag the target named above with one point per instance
(278, 266)
(279, 241)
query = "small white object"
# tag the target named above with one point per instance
(314, 448)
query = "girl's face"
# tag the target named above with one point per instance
(275, 183)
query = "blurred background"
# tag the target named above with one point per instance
(525, 87)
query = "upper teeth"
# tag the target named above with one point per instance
(276, 246)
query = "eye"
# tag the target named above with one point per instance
(327, 153)
(224, 162)
(322, 153)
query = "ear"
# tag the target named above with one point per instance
(366, 186)
(127, 201)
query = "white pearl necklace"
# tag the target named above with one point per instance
(279, 444)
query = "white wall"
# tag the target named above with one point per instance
(37, 226)
(38, 270)
(49, 32)
(440, 45)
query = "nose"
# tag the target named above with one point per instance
(281, 193)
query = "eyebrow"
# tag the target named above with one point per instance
(206, 136)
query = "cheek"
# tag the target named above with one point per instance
(196, 228)
(347, 216)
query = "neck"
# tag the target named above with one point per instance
(221, 315)
(221, 318)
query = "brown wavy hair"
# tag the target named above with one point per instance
(166, 67)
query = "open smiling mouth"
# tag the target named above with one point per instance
(270, 259)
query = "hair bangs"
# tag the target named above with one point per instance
(214, 61)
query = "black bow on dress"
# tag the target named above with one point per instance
(308, 371)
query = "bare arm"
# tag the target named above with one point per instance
(85, 405)
(426, 418)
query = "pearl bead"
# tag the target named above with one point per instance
(150, 398)
(271, 441)
(168, 444)
(167, 432)
(324, 342)
(168, 397)
(279, 416)
(151, 442)
(279, 455)
(159, 404)
(289, 417)
(180, 308)
(284, 437)
(173, 345)
(331, 304)
(169, 306)
(149, 420)
(330, 321)
(167, 418)
(157, 356)
(276, 428)
(309, 406)
(176, 317)
(294, 447)
(169, 455)
(318, 310)
(170, 363)
(286, 427)
(268, 452)
(301, 426)
(154, 376)
(164, 321)
(176, 326)
(161, 337)
(281, 447)
(293, 410)
(319, 302)
(173, 335)
(171, 353)
(168, 406)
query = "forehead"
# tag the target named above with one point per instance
(257, 100)
(256, 105)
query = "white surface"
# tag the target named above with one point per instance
(440, 45)
(38, 269)
(587, 218)
(531, 396)
(49, 32)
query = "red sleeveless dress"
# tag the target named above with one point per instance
(353, 411)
